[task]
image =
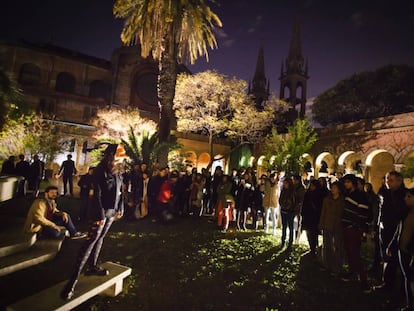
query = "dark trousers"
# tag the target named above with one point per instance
(312, 236)
(287, 222)
(405, 262)
(91, 248)
(53, 233)
(352, 243)
(68, 179)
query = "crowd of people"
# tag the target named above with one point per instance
(343, 212)
(32, 172)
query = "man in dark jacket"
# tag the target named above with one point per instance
(392, 211)
(106, 207)
(356, 217)
(68, 169)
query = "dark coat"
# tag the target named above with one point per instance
(311, 208)
(108, 197)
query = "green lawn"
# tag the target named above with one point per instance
(189, 265)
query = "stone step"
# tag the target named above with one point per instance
(14, 243)
(87, 287)
(12, 238)
(41, 251)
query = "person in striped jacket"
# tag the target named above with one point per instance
(357, 215)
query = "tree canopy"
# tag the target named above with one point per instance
(172, 32)
(215, 105)
(371, 94)
(286, 152)
(116, 122)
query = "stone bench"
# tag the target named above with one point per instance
(87, 287)
(20, 250)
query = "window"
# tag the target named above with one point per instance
(47, 107)
(65, 82)
(98, 89)
(30, 74)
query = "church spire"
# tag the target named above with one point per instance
(260, 67)
(295, 60)
(260, 85)
(294, 75)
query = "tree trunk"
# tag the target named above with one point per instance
(166, 90)
(210, 143)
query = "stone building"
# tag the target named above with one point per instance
(69, 87)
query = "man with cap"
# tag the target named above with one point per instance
(107, 205)
(356, 217)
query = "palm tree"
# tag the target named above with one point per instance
(172, 32)
(144, 147)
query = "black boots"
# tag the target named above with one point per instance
(69, 290)
(96, 270)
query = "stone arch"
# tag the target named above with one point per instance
(322, 160)
(262, 165)
(407, 169)
(219, 160)
(377, 164)
(203, 161)
(349, 163)
(252, 161)
(65, 83)
(308, 168)
(30, 74)
(190, 160)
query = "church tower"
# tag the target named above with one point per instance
(293, 76)
(259, 87)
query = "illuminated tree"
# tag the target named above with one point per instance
(172, 32)
(114, 123)
(215, 105)
(285, 152)
(30, 134)
(10, 97)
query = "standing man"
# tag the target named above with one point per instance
(37, 174)
(68, 168)
(392, 211)
(23, 169)
(107, 206)
(8, 167)
(356, 217)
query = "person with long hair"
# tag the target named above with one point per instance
(311, 213)
(288, 210)
(107, 206)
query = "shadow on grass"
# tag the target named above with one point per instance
(189, 265)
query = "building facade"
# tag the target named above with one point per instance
(69, 88)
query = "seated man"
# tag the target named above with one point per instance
(43, 217)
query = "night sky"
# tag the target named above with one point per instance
(338, 38)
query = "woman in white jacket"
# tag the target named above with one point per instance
(270, 201)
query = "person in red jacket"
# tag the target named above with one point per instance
(165, 197)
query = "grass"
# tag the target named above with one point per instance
(190, 265)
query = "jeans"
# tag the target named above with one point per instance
(287, 221)
(57, 219)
